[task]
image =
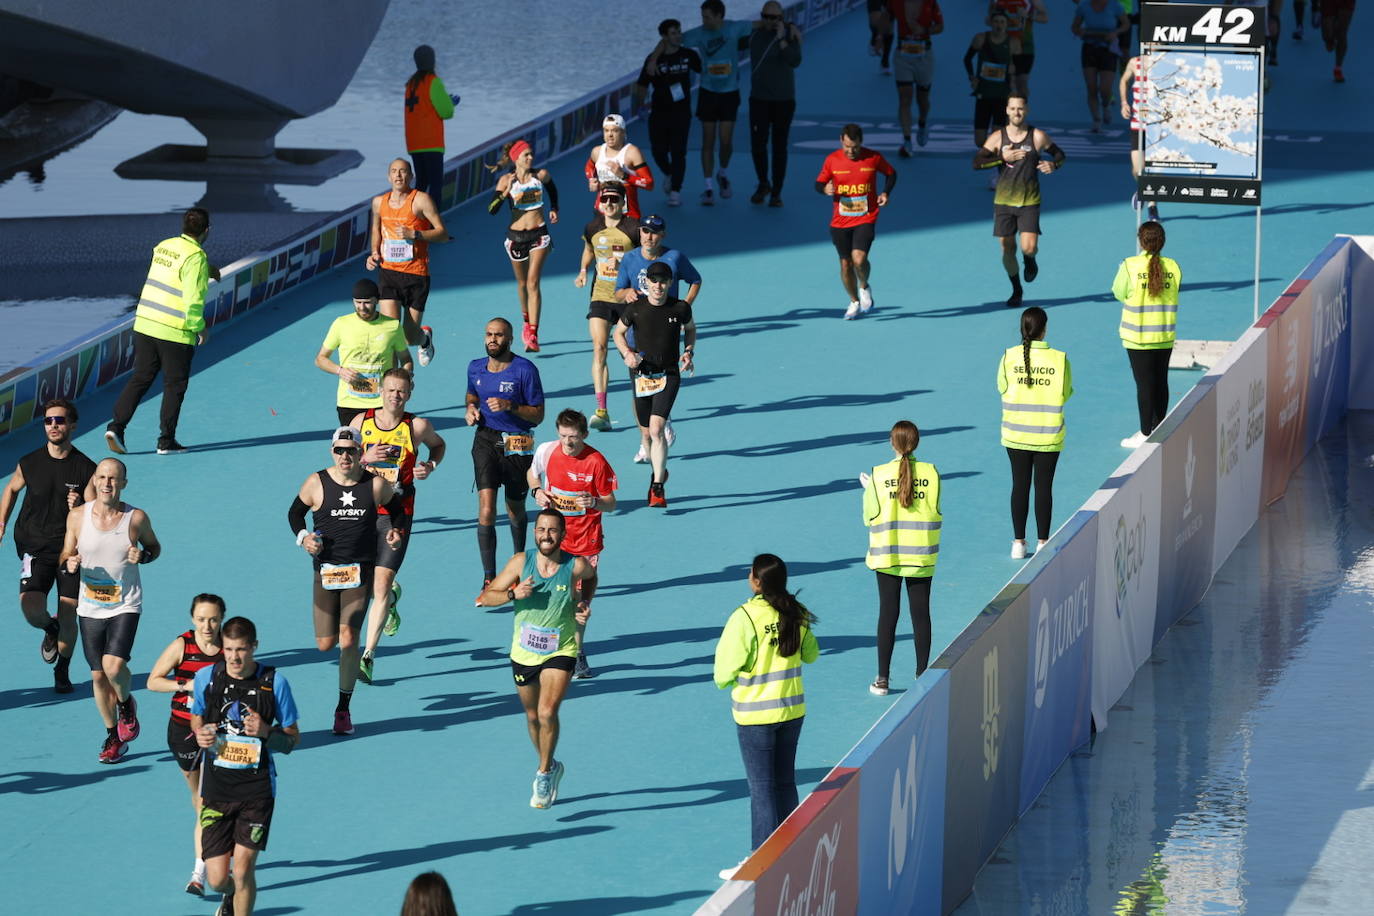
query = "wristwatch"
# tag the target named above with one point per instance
(510, 594)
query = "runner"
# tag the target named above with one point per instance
(58, 478)
(1335, 25)
(369, 343)
(1299, 12)
(1135, 109)
(505, 401)
(631, 280)
(173, 672)
(915, 21)
(527, 239)
(543, 651)
(1035, 381)
(991, 79)
(774, 53)
(1020, 152)
(670, 118)
(106, 541)
(1147, 286)
(344, 500)
(574, 478)
(428, 105)
(243, 712)
(605, 240)
(849, 177)
(405, 222)
(1099, 23)
(1022, 15)
(620, 162)
(659, 323)
(391, 441)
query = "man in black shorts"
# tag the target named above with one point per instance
(58, 478)
(849, 177)
(1022, 153)
(405, 222)
(242, 713)
(660, 324)
(505, 401)
(605, 240)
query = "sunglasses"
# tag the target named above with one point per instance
(772, 17)
(610, 199)
(55, 421)
(344, 449)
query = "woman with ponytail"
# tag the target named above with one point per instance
(1147, 285)
(527, 239)
(902, 511)
(1035, 380)
(760, 655)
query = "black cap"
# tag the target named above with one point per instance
(366, 289)
(659, 271)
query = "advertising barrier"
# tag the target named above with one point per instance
(1187, 517)
(1361, 392)
(1240, 383)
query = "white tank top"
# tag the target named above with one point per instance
(528, 194)
(110, 584)
(605, 174)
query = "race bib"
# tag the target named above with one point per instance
(397, 251)
(912, 47)
(993, 73)
(518, 443)
(388, 472)
(530, 199)
(676, 92)
(339, 576)
(539, 640)
(104, 592)
(650, 384)
(238, 752)
(608, 269)
(565, 501)
(854, 206)
(719, 69)
(366, 385)
(26, 566)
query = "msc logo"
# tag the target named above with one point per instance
(992, 711)
(902, 824)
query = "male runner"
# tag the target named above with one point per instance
(106, 540)
(405, 221)
(542, 583)
(1022, 15)
(344, 500)
(574, 478)
(915, 22)
(1134, 108)
(505, 401)
(1335, 25)
(369, 343)
(659, 324)
(58, 478)
(991, 68)
(242, 713)
(1017, 151)
(849, 177)
(617, 162)
(670, 117)
(630, 281)
(391, 446)
(605, 240)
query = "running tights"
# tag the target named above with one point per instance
(1024, 465)
(1151, 371)
(890, 608)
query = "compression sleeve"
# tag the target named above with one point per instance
(590, 168)
(641, 177)
(553, 193)
(969, 55)
(296, 515)
(494, 207)
(986, 158)
(396, 508)
(1056, 155)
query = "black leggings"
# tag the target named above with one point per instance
(890, 608)
(1151, 371)
(1023, 462)
(668, 132)
(770, 120)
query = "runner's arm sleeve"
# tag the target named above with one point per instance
(686, 272)
(438, 97)
(553, 193)
(641, 177)
(986, 158)
(1056, 155)
(732, 650)
(296, 515)
(969, 55)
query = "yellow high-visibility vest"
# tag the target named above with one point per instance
(166, 309)
(903, 535)
(1033, 415)
(771, 689)
(1147, 322)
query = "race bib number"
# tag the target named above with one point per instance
(388, 472)
(565, 501)
(366, 385)
(854, 206)
(676, 92)
(650, 384)
(104, 592)
(530, 199)
(912, 48)
(238, 752)
(397, 251)
(26, 566)
(337, 577)
(539, 640)
(719, 69)
(518, 443)
(609, 268)
(993, 73)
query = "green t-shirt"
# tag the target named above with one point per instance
(366, 347)
(544, 622)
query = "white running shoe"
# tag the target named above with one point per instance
(115, 441)
(1135, 441)
(1018, 550)
(426, 349)
(865, 300)
(668, 435)
(642, 455)
(727, 873)
(852, 312)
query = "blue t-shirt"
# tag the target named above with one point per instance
(281, 694)
(1093, 21)
(633, 264)
(518, 383)
(719, 52)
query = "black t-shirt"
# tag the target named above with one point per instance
(347, 518)
(658, 332)
(227, 699)
(42, 523)
(674, 69)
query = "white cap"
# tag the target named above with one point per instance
(614, 120)
(349, 435)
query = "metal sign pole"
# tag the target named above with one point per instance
(1259, 176)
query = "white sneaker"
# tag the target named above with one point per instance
(1018, 550)
(668, 435)
(1135, 441)
(727, 873)
(642, 455)
(865, 300)
(425, 351)
(674, 199)
(852, 312)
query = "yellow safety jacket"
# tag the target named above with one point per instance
(767, 685)
(903, 536)
(172, 304)
(1147, 322)
(1033, 415)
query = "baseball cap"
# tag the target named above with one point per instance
(365, 289)
(614, 120)
(658, 271)
(653, 222)
(614, 188)
(348, 435)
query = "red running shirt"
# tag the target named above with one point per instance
(856, 186)
(928, 18)
(566, 477)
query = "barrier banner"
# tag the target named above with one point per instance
(1187, 521)
(987, 691)
(116, 356)
(1361, 322)
(1059, 645)
(1329, 385)
(1289, 327)
(811, 862)
(1123, 627)
(735, 898)
(902, 801)
(1240, 381)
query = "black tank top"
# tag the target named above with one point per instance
(192, 660)
(347, 518)
(1019, 183)
(42, 521)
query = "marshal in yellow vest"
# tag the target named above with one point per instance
(903, 540)
(1033, 415)
(172, 303)
(1147, 322)
(767, 686)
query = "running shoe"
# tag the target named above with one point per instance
(1297, 33)
(642, 455)
(532, 341)
(760, 193)
(113, 750)
(126, 725)
(546, 787)
(879, 687)
(525, 334)
(115, 441)
(1338, 76)
(1152, 212)
(196, 886)
(426, 351)
(170, 447)
(1014, 301)
(485, 584)
(669, 436)
(1097, 126)
(922, 134)
(226, 904)
(708, 198)
(61, 682)
(601, 420)
(1030, 270)
(657, 499)
(775, 201)
(727, 873)
(343, 722)
(852, 312)
(393, 616)
(674, 199)
(365, 669)
(905, 150)
(865, 300)
(48, 646)
(724, 182)
(1135, 441)
(583, 671)
(1018, 550)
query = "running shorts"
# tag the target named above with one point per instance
(1012, 220)
(913, 68)
(226, 824)
(411, 290)
(989, 113)
(527, 675)
(181, 741)
(389, 557)
(1096, 57)
(520, 242)
(37, 574)
(493, 469)
(717, 106)
(343, 607)
(660, 403)
(102, 636)
(606, 311)
(1023, 63)
(852, 238)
